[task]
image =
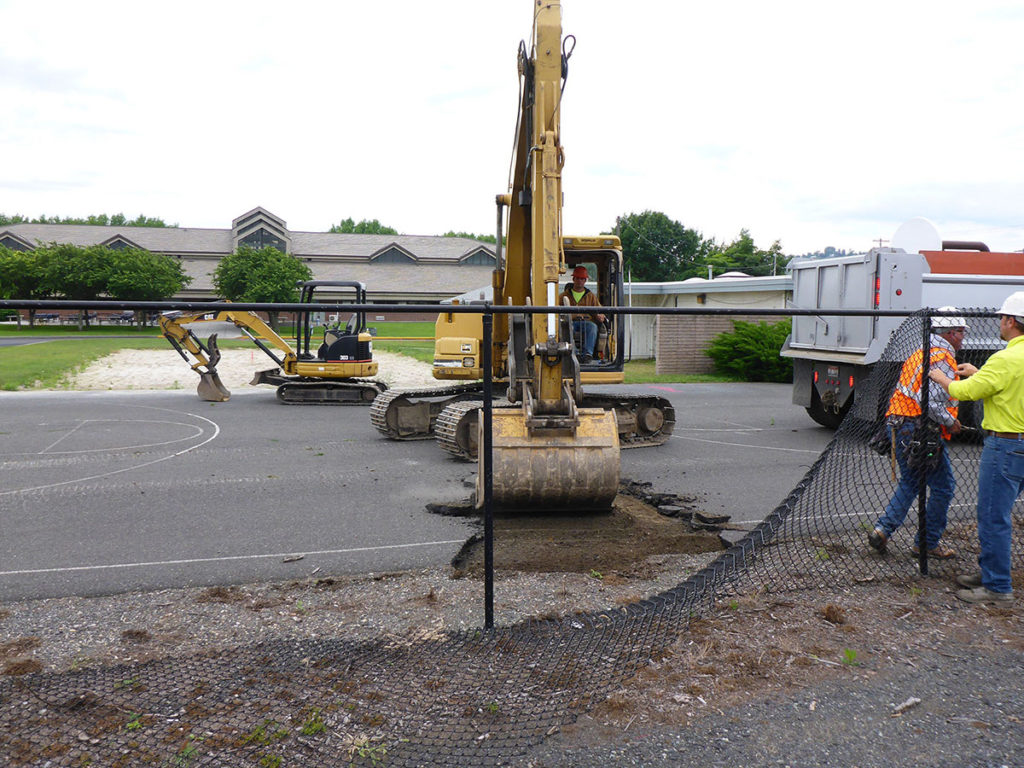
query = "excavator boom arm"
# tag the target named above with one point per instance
(177, 328)
(548, 452)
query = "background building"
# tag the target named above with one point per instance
(408, 269)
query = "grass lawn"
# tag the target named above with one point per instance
(49, 364)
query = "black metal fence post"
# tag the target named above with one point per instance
(922, 487)
(488, 481)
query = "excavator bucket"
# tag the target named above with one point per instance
(549, 469)
(211, 389)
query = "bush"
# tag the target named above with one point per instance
(751, 351)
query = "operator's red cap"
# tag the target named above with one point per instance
(580, 272)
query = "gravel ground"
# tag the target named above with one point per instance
(869, 674)
(877, 675)
(969, 714)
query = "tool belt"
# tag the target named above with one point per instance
(923, 450)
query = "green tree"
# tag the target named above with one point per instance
(139, 275)
(96, 220)
(742, 255)
(470, 236)
(20, 278)
(75, 272)
(264, 275)
(656, 248)
(364, 227)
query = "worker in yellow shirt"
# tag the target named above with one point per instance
(1000, 385)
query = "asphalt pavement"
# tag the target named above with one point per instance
(103, 492)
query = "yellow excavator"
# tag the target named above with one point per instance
(338, 373)
(558, 447)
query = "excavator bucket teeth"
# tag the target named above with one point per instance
(211, 389)
(552, 470)
(214, 350)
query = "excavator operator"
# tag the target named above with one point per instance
(578, 295)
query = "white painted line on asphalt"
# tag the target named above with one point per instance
(227, 558)
(47, 450)
(216, 431)
(745, 445)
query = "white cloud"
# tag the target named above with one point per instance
(806, 122)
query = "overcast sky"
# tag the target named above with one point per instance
(811, 123)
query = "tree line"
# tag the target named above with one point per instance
(655, 247)
(89, 273)
(97, 273)
(96, 220)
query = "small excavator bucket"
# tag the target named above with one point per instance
(211, 389)
(551, 469)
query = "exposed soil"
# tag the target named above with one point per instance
(611, 543)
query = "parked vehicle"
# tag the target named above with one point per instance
(832, 353)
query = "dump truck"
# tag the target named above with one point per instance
(832, 353)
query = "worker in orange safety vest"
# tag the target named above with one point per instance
(903, 417)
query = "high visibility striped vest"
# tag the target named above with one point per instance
(906, 399)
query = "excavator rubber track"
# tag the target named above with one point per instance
(319, 392)
(644, 420)
(456, 428)
(411, 414)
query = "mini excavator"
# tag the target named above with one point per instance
(556, 447)
(337, 374)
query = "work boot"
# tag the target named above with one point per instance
(940, 551)
(983, 595)
(969, 580)
(878, 540)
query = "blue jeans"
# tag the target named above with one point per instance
(588, 329)
(940, 485)
(1000, 482)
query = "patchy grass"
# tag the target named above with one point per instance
(643, 372)
(53, 363)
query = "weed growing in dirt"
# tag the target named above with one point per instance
(313, 724)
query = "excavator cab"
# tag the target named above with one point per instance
(337, 343)
(604, 269)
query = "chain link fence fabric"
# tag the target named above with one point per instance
(479, 698)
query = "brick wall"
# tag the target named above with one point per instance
(682, 339)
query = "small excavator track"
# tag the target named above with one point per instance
(644, 420)
(320, 392)
(410, 414)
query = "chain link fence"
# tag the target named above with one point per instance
(482, 697)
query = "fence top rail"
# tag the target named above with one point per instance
(486, 308)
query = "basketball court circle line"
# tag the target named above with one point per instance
(216, 432)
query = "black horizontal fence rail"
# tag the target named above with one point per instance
(486, 308)
(484, 696)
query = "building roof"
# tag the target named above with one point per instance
(394, 267)
(186, 240)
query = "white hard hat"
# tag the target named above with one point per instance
(949, 321)
(1014, 305)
